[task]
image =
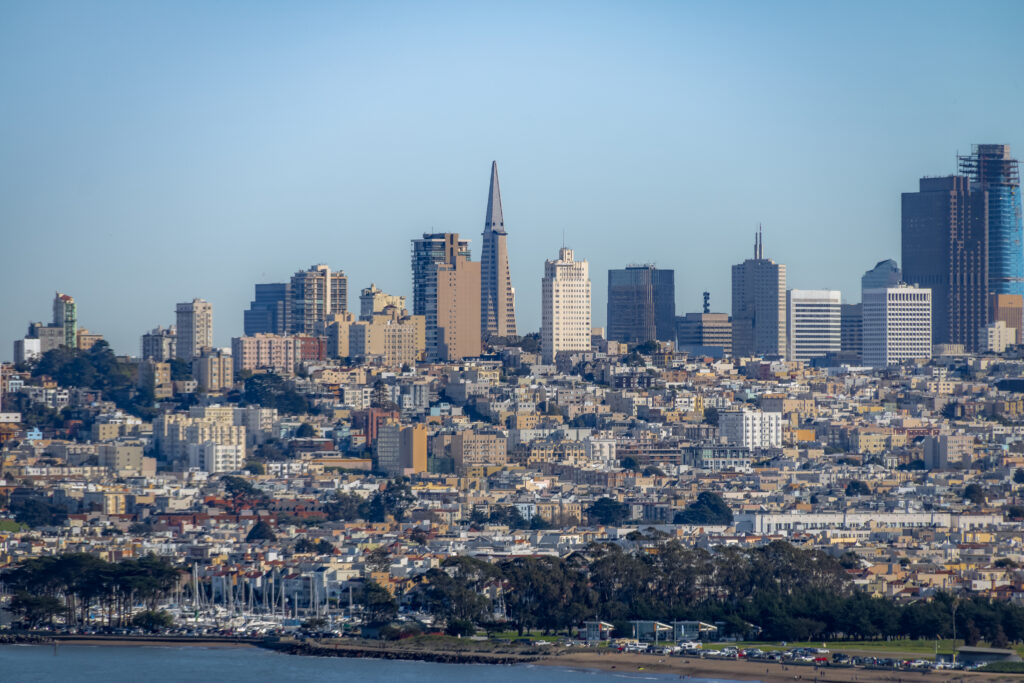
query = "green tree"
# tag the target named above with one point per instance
(1018, 476)
(709, 508)
(378, 604)
(153, 621)
(261, 531)
(975, 494)
(608, 511)
(305, 431)
(857, 488)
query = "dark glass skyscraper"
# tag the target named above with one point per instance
(945, 249)
(641, 304)
(991, 170)
(270, 309)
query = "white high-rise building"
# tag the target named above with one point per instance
(565, 306)
(195, 328)
(897, 325)
(996, 336)
(815, 323)
(751, 428)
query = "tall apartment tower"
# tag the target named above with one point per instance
(992, 170)
(317, 294)
(270, 310)
(565, 306)
(195, 328)
(159, 344)
(897, 325)
(945, 249)
(65, 315)
(641, 304)
(815, 323)
(759, 305)
(497, 297)
(446, 292)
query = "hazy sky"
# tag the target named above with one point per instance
(152, 152)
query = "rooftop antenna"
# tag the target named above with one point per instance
(707, 302)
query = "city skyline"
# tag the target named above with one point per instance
(299, 126)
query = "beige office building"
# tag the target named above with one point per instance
(373, 300)
(565, 306)
(446, 292)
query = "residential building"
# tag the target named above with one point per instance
(401, 450)
(470, 448)
(336, 329)
(213, 370)
(194, 329)
(751, 429)
(87, 339)
(994, 172)
(159, 344)
(275, 353)
(155, 375)
(497, 296)
(641, 304)
(65, 316)
(995, 337)
(759, 305)
(565, 306)
(897, 325)
(373, 300)
(391, 335)
(317, 294)
(814, 317)
(270, 310)
(446, 292)
(945, 249)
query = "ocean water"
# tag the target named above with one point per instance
(145, 664)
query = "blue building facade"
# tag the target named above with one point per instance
(990, 168)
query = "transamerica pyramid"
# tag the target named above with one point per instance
(497, 297)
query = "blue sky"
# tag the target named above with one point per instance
(155, 152)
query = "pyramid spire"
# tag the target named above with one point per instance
(494, 220)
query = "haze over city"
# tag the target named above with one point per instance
(156, 153)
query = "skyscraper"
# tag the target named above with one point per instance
(195, 328)
(886, 273)
(814, 319)
(945, 249)
(565, 306)
(65, 315)
(1008, 308)
(317, 294)
(897, 325)
(446, 291)
(704, 333)
(641, 304)
(758, 305)
(497, 297)
(992, 170)
(270, 310)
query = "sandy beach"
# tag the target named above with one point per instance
(770, 672)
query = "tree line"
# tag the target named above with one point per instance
(774, 592)
(73, 584)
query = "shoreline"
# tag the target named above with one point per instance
(741, 670)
